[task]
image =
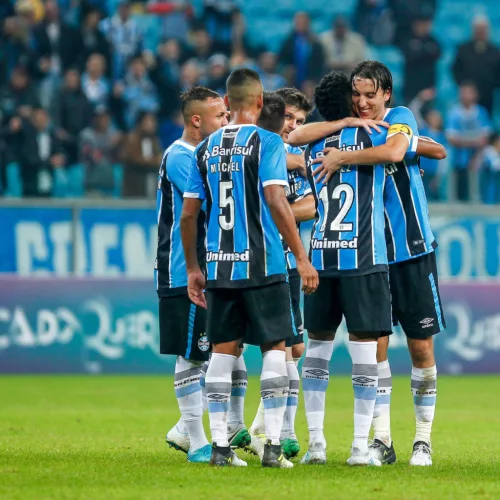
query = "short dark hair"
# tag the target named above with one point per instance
(239, 79)
(376, 71)
(294, 97)
(272, 117)
(196, 93)
(332, 96)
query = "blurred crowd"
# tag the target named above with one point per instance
(83, 99)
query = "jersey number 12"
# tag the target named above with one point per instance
(338, 223)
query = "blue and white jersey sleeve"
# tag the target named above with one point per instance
(194, 185)
(402, 121)
(272, 167)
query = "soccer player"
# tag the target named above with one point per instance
(348, 249)
(299, 195)
(182, 323)
(413, 275)
(241, 173)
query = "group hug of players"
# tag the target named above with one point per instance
(231, 265)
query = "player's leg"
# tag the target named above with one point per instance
(237, 432)
(270, 318)
(289, 441)
(367, 308)
(416, 292)
(322, 317)
(182, 332)
(224, 326)
(382, 447)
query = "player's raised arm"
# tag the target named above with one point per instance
(193, 199)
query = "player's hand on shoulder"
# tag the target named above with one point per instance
(196, 287)
(327, 164)
(309, 275)
(368, 125)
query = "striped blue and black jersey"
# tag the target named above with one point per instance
(170, 266)
(407, 222)
(230, 170)
(298, 188)
(348, 234)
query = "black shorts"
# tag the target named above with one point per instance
(416, 303)
(182, 328)
(295, 288)
(257, 315)
(364, 301)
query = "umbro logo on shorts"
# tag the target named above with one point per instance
(216, 396)
(317, 372)
(363, 380)
(264, 394)
(427, 322)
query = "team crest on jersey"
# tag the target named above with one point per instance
(203, 344)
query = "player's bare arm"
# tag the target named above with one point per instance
(314, 131)
(393, 151)
(296, 162)
(304, 209)
(428, 148)
(285, 222)
(196, 280)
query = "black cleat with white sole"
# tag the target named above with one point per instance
(273, 457)
(380, 451)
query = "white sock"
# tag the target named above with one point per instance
(423, 387)
(296, 361)
(364, 383)
(288, 429)
(258, 425)
(239, 382)
(382, 412)
(274, 392)
(188, 393)
(315, 377)
(218, 385)
(203, 375)
(181, 426)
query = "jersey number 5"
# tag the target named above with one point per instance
(226, 201)
(338, 223)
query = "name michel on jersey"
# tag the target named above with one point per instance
(333, 244)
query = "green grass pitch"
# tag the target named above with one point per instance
(72, 437)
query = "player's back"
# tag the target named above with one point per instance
(348, 234)
(243, 243)
(408, 229)
(170, 266)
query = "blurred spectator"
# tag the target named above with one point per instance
(421, 52)
(271, 79)
(302, 53)
(167, 64)
(18, 96)
(124, 36)
(6, 10)
(32, 11)
(406, 11)
(343, 48)
(490, 172)
(59, 46)
(171, 130)
(190, 75)
(98, 151)
(478, 61)
(139, 93)
(218, 19)
(94, 84)
(75, 113)
(218, 73)
(14, 46)
(142, 156)
(175, 23)
(430, 124)
(374, 20)
(201, 49)
(467, 131)
(94, 42)
(37, 151)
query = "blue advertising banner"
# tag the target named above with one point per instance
(82, 325)
(38, 241)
